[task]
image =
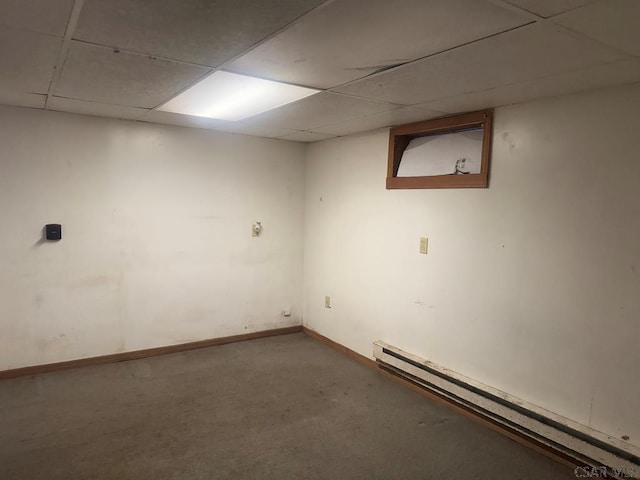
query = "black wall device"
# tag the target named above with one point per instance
(53, 231)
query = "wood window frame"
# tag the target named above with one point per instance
(400, 136)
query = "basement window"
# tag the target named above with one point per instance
(448, 152)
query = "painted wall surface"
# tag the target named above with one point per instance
(157, 247)
(531, 286)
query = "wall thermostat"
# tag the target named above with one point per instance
(53, 231)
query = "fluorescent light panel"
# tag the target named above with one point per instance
(229, 96)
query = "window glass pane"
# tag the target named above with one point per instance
(454, 153)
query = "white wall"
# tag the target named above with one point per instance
(531, 286)
(157, 247)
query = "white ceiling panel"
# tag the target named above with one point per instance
(83, 107)
(617, 73)
(529, 52)
(613, 22)
(321, 109)
(207, 33)
(27, 60)
(98, 74)
(244, 127)
(548, 8)
(43, 16)
(380, 120)
(349, 39)
(256, 129)
(20, 99)
(180, 120)
(304, 136)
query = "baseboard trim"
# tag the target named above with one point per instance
(145, 353)
(514, 435)
(337, 346)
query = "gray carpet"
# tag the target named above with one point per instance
(284, 407)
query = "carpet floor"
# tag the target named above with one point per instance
(285, 407)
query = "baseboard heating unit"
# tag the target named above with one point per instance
(583, 443)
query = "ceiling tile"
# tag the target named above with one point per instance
(30, 100)
(244, 127)
(255, 129)
(28, 60)
(83, 107)
(613, 22)
(617, 73)
(380, 120)
(320, 109)
(304, 136)
(43, 16)
(529, 52)
(207, 33)
(367, 35)
(548, 8)
(180, 120)
(98, 74)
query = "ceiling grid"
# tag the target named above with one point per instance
(377, 63)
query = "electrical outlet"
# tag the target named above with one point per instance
(327, 301)
(424, 245)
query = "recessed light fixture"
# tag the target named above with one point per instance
(229, 96)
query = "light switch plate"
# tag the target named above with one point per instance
(424, 245)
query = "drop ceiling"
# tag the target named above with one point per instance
(378, 62)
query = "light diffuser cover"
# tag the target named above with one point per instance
(230, 96)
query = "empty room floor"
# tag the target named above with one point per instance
(286, 407)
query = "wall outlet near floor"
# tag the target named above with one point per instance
(327, 301)
(424, 245)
